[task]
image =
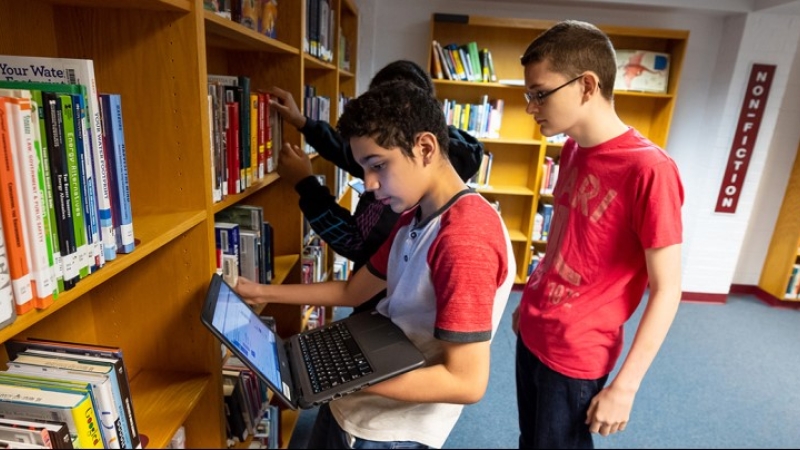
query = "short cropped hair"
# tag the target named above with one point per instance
(394, 114)
(573, 47)
(403, 69)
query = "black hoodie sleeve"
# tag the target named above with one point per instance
(465, 152)
(333, 223)
(329, 144)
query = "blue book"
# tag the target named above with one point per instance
(547, 215)
(122, 217)
(87, 187)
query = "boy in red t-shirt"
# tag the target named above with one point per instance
(616, 227)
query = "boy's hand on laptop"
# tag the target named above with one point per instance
(250, 291)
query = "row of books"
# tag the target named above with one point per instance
(248, 412)
(483, 176)
(244, 244)
(462, 62)
(549, 175)
(317, 107)
(66, 395)
(245, 134)
(536, 257)
(793, 288)
(67, 209)
(482, 120)
(541, 222)
(258, 15)
(320, 27)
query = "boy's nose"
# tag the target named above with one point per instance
(371, 182)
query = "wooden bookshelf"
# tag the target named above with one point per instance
(784, 247)
(157, 54)
(518, 155)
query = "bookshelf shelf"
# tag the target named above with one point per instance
(289, 418)
(163, 401)
(153, 232)
(506, 190)
(520, 152)
(154, 5)
(522, 142)
(346, 73)
(314, 63)
(226, 34)
(236, 198)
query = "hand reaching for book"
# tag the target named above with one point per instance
(284, 103)
(250, 291)
(295, 165)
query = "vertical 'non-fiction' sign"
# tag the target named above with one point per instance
(744, 140)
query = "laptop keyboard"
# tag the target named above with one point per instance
(332, 357)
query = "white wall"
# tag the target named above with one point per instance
(719, 54)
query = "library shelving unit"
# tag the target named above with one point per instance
(784, 247)
(157, 55)
(333, 80)
(519, 152)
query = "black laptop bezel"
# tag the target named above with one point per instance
(287, 374)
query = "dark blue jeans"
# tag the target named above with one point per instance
(328, 434)
(552, 407)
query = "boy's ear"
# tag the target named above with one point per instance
(591, 84)
(428, 145)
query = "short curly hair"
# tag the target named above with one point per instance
(394, 114)
(403, 69)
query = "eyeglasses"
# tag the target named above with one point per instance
(540, 96)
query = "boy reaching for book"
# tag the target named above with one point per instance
(448, 268)
(616, 226)
(355, 236)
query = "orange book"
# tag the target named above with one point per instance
(30, 196)
(11, 216)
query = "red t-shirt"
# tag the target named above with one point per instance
(611, 202)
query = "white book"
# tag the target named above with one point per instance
(7, 311)
(33, 210)
(73, 71)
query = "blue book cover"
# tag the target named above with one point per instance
(86, 175)
(122, 216)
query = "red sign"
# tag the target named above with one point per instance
(744, 140)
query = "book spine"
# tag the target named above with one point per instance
(86, 424)
(73, 177)
(32, 212)
(107, 234)
(12, 225)
(87, 177)
(234, 180)
(253, 167)
(7, 311)
(262, 133)
(125, 239)
(245, 173)
(61, 194)
(51, 229)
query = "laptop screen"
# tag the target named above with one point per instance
(244, 330)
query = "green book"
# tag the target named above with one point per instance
(76, 201)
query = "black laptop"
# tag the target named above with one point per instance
(316, 366)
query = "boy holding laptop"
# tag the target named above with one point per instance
(448, 269)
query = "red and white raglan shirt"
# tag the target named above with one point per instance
(611, 202)
(448, 279)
